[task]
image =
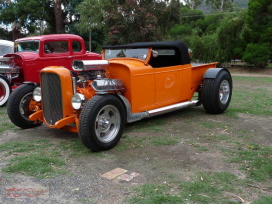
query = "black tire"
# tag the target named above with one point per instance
(5, 90)
(18, 106)
(216, 93)
(102, 122)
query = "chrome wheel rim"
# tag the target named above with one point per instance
(224, 92)
(107, 123)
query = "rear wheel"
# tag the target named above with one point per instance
(18, 106)
(5, 90)
(102, 122)
(216, 93)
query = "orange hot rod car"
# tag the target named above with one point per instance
(132, 82)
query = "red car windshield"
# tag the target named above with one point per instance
(27, 46)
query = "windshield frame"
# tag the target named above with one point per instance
(129, 53)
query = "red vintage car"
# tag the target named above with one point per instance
(34, 53)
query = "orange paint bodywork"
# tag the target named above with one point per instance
(147, 88)
(70, 116)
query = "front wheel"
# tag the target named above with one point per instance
(216, 93)
(5, 90)
(101, 122)
(18, 106)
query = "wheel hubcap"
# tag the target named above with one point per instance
(107, 124)
(224, 92)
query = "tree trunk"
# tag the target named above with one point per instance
(58, 16)
(16, 30)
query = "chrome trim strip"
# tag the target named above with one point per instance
(171, 108)
(132, 117)
(74, 84)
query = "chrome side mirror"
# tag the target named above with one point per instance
(155, 53)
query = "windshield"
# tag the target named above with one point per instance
(27, 46)
(4, 49)
(129, 53)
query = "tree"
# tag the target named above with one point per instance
(257, 54)
(219, 45)
(193, 4)
(230, 37)
(259, 30)
(189, 19)
(220, 5)
(129, 23)
(168, 14)
(91, 17)
(26, 14)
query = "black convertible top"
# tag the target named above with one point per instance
(180, 47)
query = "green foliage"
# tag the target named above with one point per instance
(259, 21)
(220, 44)
(27, 13)
(222, 5)
(91, 15)
(205, 48)
(193, 4)
(258, 54)
(190, 15)
(130, 23)
(258, 34)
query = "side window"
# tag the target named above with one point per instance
(56, 47)
(165, 58)
(76, 46)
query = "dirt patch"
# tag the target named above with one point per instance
(199, 138)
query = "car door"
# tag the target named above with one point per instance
(168, 84)
(57, 53)
(168, 76)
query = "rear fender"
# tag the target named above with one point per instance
(213, 72)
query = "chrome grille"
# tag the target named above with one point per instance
(51, 97)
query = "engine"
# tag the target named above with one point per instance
(92, 74)
(95, 71)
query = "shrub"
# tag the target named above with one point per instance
(257, 54)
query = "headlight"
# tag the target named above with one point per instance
(77, 100)
(37, 94)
